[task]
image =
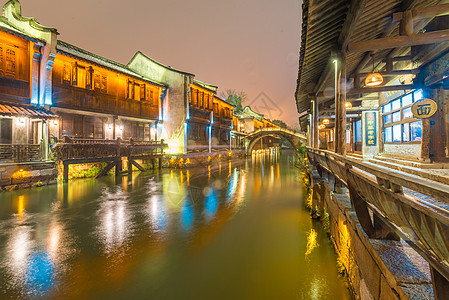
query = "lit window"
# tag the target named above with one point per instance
(389, 134)
(418, 95)
(387, 119)
(386, 108)
(407, 113)
(396, 104)
(407, 100)
(397, 132)
(406, 132)
(396, 116)
(10, 62)
(67, 73)
(416, 131)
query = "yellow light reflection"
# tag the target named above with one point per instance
(21, 206)
(188, 177)
(312, 242)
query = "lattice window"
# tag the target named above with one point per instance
(97, 81)
(67, 74)
(1, 59)
(10, 62)
(104, 83)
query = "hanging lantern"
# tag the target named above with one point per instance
(326, 121)
(374, 79)
(322, 126)
(348, 105)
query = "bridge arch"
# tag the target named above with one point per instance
(295, 139)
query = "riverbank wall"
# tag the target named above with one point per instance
(375, 269)
(16, 176)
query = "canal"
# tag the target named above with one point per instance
(238, 230)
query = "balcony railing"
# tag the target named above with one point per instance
(20, 153)
(93, 148)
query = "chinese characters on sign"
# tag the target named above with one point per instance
(371, 128)
(424, 108)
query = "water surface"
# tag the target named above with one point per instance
(234, 231)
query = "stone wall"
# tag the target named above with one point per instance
(375, 269)
(412, 150)
(19, 176)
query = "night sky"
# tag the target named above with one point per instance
(248, 45)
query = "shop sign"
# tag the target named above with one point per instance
(371, 128)
(424, 109)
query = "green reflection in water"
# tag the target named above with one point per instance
(234, 231)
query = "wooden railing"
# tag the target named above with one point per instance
(20, 153)
(205, 148)
(91, 148)
(415, 208)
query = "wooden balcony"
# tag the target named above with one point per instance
(11, 153)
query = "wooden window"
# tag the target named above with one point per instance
(67, 74)
(201, 98)
(104, 83)
(136, 91)
(195, 97)
(97, 81)
(81, 77)
(98, 128)
(142, 92)
(10, 62)
(130, 89)
(206, 101)
(67, 125)
(147, 94)
(88, 127)
(1, 60)
(399, 124)
(78, 127)
(5, 131)
(74, 73)
(89, 73)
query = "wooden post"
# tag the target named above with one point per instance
(440, 285)
(340, 106)
(315, 124)
(66, 172)
(437, 143)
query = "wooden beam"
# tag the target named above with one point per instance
(424, 12)
(356, 8)
(394, 73)
(381, 89)
(400, 41)
(325, 75)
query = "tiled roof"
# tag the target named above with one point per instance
(71, 50)
(25, 110)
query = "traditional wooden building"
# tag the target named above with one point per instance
(222, 122)
(26, 56)
(97, 98)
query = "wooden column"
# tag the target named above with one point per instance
(340, 106)
(315, 123)
(438, 133)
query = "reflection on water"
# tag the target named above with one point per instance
(236, 230)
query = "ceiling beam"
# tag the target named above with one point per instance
(394, 73)
(356, 8)
(325, 75)
(379, 89)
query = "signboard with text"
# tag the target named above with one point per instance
(424, 108)
(371, 128)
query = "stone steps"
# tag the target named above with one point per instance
(399, 165)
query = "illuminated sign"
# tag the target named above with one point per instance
(424, 108)
(371, 128)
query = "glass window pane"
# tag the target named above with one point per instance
(387, 119)
(416, 131)
(397, 133)
(386, 108)
(396, 116)
(407, 113)
(388, 134)
(407, 100)
(417, 95)
(358, 131)
(396, 104)
(406, 132)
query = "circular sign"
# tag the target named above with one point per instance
(424, 109)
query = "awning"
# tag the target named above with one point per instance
(8, 109)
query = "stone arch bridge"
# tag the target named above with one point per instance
(296, 139)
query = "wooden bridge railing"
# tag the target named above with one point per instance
(415, 208)
(92, 148)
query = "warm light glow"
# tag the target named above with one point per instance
(348, 105)
(55, 122)
(322, 126)
(326, 121)
(21, 120)
(374, 79)
(312, 242)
